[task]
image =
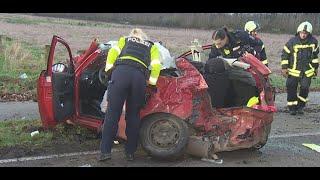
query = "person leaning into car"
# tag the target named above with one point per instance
(232, 44)
(129, 61)
(231, 90)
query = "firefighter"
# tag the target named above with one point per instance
(129, 61)
(252, 27)
(232, 44)
(236, 86)
(299, 63)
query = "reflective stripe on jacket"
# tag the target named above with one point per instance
(142, 52)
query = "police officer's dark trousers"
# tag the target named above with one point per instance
(292, 86)
(127, 84)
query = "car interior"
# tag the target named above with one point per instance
(93, 84)
(231, 87)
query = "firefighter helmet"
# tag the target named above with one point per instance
(305, 26)
(251, 26)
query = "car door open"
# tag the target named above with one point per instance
(56, 84)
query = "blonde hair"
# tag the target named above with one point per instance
(137, 32)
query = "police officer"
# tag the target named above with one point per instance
(129, 61)
(299, 63)
(252, 27)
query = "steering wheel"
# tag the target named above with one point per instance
(103, 76)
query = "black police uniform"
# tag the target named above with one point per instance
(128, 83)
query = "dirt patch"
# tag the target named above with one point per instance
(27, 96)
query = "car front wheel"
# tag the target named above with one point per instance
(164, 136)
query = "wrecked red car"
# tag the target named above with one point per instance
(177, 118)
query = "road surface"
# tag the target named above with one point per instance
(284, 147)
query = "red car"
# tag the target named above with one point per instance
(177, 118)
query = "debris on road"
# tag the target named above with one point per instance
(86, 165)
(216, 161)
(23, 76)
(34, 133)
(312, 146)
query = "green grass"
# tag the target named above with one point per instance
(280, 82)
(17, 133)
(17, 58)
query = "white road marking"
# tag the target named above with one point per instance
(3, 161)
(295, 135)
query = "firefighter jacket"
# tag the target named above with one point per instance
(132, 49)
(300, 56)
(261, 52)
(239, 42)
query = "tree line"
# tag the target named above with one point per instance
(269, 22)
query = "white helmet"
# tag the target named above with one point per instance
(251, 26)
(305, 26)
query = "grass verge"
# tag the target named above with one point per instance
(279, 82)
(16, 140)
(17, 58)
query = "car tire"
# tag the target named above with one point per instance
(259, 145)
(164, 136)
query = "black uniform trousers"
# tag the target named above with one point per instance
(292, 86)
(127, 84)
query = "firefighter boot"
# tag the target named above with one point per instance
(292, 110)
(300, 110)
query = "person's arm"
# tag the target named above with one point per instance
(286, 52)
(247, 39)
(155, 65)
(315, 59)
(113, 53)
(263, 55)
(252, 41)
(214, 52)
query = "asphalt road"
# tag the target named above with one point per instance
(29, 109)
(283, 149)
(19, 110)
(278, 152)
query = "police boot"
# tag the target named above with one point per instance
(129, 157)
(104, 156)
